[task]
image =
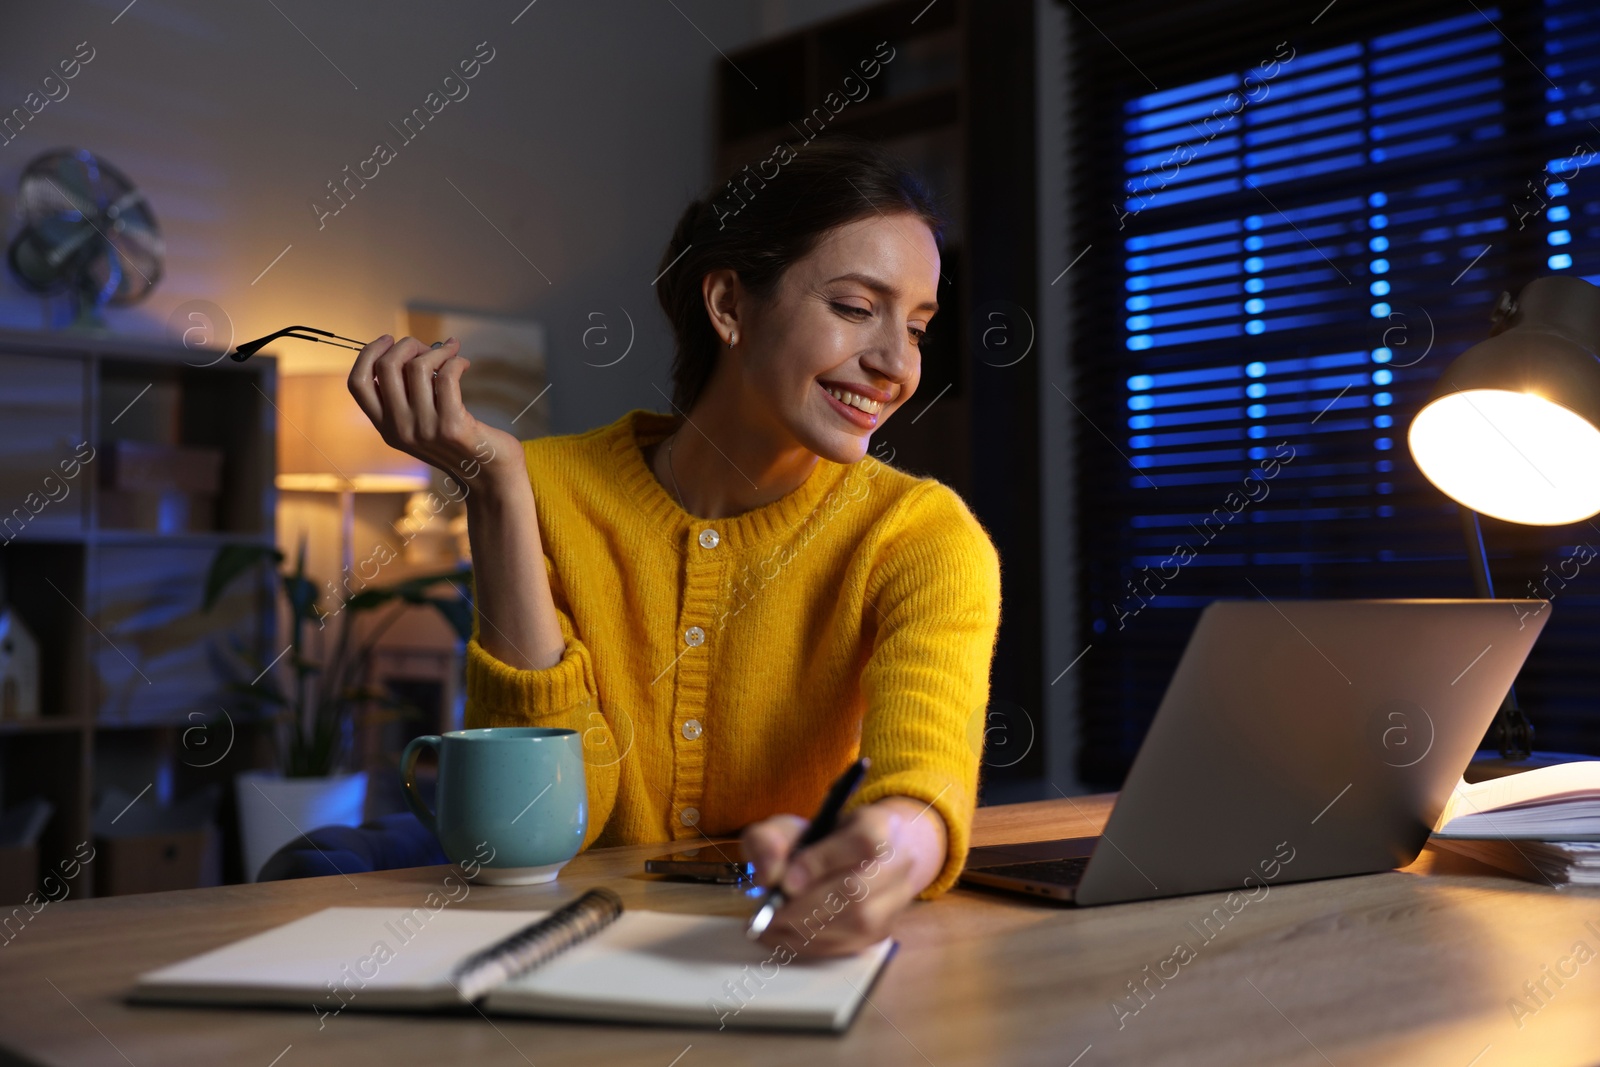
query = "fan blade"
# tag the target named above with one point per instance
(122, 203)
(141, 248)
(67, 197)
(46, 256)
(65, 250)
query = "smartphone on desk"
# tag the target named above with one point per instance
(721, 862)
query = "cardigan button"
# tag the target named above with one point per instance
(689, 816)
(709, 538)
(695, 636)
(691, 730)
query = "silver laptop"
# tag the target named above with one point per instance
(1298, 739)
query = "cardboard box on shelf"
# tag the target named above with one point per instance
(143, 466)
(170, 511)
(148, 863)
(147, 848)
(19, 872)
(159, 487)
(20, 827)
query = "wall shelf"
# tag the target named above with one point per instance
(125, 650)
(42, 725)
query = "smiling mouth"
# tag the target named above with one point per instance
(860, 403)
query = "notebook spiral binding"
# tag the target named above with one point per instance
(535, 944)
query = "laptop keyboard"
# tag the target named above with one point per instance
(1065, 872)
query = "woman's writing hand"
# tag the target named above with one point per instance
(412, 394)
(843, 893)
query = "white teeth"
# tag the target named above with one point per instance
(871, 407)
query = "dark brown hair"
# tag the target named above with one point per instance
(758, 223)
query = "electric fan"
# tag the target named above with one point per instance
(85, 230)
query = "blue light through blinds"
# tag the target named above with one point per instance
(1292, 269)
(1303, 244)
(1564, 196)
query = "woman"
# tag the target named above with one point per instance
(730, 602)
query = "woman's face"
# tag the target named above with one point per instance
(845, 319)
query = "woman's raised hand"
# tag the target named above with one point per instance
(412, 394)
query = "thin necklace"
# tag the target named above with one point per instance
(672, 473)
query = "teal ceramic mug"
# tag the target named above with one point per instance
(512, 802)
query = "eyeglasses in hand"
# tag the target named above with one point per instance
(250, 348)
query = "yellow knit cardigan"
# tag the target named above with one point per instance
(724, 670)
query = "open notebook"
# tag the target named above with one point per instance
(646, 966)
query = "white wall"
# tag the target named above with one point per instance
(579, 143)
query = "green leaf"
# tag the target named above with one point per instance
(457, 611)
(302, 595)
(263, 691)
(411, 590)
(368, 599)
(232, 561)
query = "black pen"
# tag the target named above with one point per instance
(821, 826)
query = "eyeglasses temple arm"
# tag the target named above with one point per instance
(250, 348)
(359, 344)
(354, 346)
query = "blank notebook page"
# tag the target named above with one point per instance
(342, 946)
(702, 970)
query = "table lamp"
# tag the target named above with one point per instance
(327, 445)
(1512, 430)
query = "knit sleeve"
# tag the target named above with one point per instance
(935, 600)
(563, 695)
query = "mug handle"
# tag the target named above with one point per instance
(408, 777)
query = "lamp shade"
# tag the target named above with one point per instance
(1512, 428)
(327, 444)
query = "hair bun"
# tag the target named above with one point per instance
(696, 212)
(690, 226)
(683, 235)
(702, 222)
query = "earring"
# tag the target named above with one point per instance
(732, 337)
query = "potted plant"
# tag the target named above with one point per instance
(313, 703)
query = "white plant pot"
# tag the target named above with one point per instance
(274, 810)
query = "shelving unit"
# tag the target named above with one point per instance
(956, 102)
(131, 692)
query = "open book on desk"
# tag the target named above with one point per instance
(646, 966)
(1542, 824)
(1560, 803)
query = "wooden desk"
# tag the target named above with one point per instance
(1385, 969)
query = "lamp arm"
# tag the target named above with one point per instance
(1512, 730)
(1477, 558)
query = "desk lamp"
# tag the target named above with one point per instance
(1512, 430)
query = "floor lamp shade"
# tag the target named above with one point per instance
(1512, 428)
